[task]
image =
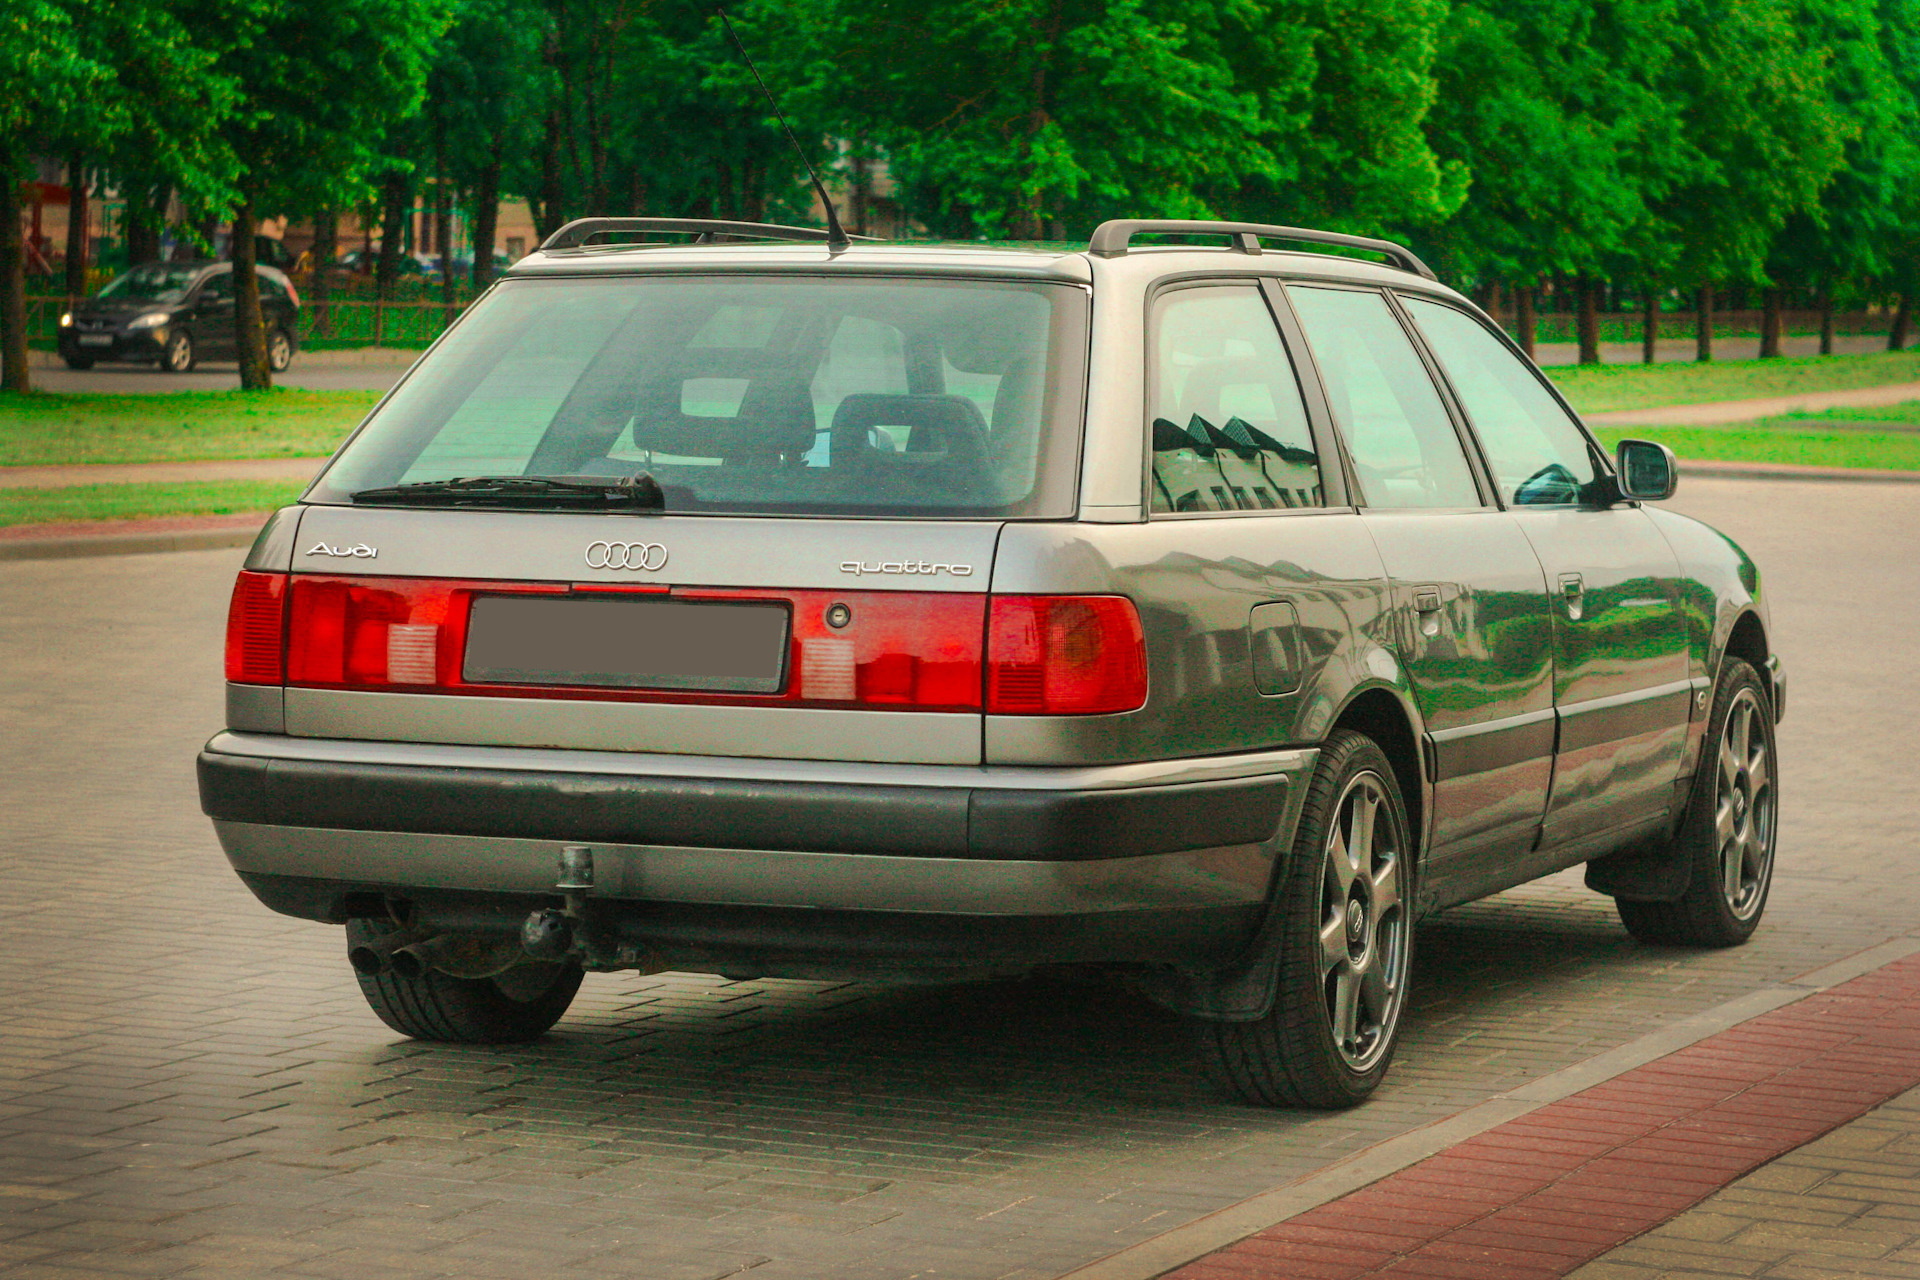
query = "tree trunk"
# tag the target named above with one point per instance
(76, 227)
(1703, 324)
(1826, 319)
(549, 219)
(249, 336)
(753, 190)
(396, 201)
(14, 375)
(442, 209)
(1589, 322)
(1523, 318)
(146, 214)
(326, 246)
(862, 183)
(1902, 321)
(486, 221)
(1770, 324)
(1650, 325)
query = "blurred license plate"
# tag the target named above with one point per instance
(96, 339)
(635, 643)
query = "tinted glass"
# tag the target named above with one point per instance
(763, 394)
(218, 287)
(1403, 446)
(1229, 430)
(1537, 455)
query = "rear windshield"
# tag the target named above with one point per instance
(752, 394)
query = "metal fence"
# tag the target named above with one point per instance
(357, 322)
(375, 324)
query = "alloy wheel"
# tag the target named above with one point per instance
(1363, 922)
(1743, 806)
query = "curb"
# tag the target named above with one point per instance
(1196, 1240)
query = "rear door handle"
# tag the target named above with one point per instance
(1426, 599)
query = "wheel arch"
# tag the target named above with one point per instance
(1747, 640)
(1381, 713)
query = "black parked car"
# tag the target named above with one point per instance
(173, 314)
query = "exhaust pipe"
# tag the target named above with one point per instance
(379, 955)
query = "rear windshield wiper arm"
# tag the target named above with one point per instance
(637, 492)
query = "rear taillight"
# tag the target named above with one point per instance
(256, 628)
(376, 633)
(929, 651)
(1064, 656)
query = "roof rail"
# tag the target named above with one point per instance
(580, 230)
(1110, 238)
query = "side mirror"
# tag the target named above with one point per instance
(1647, 471)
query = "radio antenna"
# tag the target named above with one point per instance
(837, 239)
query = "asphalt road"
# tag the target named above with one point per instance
(317, 371)
(192, 1085)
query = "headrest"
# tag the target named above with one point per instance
(935, 424)
(775, 417)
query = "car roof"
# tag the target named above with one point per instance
(1140, 266)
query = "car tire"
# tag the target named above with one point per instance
(512, 1008)
(279, 350)
(78, 362)
(179, 355)
(1345, 942)
(1728, 834)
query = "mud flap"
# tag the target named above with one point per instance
(1652, 870)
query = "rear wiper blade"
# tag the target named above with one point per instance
(637, 492)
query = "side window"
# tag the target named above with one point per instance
(1403, 446)
(217, 288)
(1537, 455)
(1229, 429)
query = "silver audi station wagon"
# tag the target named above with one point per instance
(1208, 613)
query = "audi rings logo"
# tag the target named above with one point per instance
(643, 556)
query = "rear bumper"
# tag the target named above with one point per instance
(342, 817)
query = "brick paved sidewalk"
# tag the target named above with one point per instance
(1557, 1187)
(1846, 1205)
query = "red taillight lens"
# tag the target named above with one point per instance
(1064, 656)
(895, 649)
(374, 633)
(256, 627)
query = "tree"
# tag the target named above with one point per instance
(1012, 119)
(1555, 109)
(321, 86)
(112, 79)
(1864, 222)
(1763, 133)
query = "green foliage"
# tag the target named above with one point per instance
(181, 426)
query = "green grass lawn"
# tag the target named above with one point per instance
(1601, 388)
(176, 426)
(143, 501)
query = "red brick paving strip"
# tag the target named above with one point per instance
(1542, 1194)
